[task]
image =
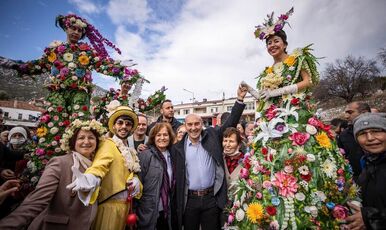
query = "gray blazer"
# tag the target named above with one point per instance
(51, 205)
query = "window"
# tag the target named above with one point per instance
(250, 106)
(20, 116)
(186, 111)
(214, 110)
(6, 114)
(229, 108)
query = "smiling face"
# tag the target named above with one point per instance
(74, 34)
(162, 139)
(193, 125)
(372, 140)
(276, 46)
(85, 143)
(230, 144)
(122, 127)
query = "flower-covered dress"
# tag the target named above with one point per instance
(70, 87)
(131, 99)
(295, 176)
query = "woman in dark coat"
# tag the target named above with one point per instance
(157, 177)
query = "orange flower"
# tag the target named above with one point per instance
(290, 61)
(84, 60)
(269, 70)
(323, 140)
(52, 57)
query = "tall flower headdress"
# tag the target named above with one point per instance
(83, 125)
(270, 27)
(96, 39)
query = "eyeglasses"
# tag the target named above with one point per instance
(373, 132)
(120, 122)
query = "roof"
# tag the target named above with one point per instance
(20, 105)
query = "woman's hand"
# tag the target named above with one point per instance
(355, 221)
(10, 186)
(7, 174)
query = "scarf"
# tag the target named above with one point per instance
(79, 160)
(165, 187)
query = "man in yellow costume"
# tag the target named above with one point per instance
(112, 176)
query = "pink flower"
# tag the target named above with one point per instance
(267, 184)
(61, 48)
(270, 112)
(313, 121)
(45, 118)
(39, 152)
(250, 182)
(340, 212)
(231, 217)
(299, 138)
(244, 173)
(259, 195)
(342, 151)
(286, 184)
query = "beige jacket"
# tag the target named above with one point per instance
(51, 205)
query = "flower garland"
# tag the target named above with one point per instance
(129, 156)
(269, 27)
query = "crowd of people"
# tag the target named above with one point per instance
(123, 172)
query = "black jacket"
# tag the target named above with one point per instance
(353, 151)
(373, 191)
(211, 140)
(174, 123)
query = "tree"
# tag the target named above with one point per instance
(382, 57)
(348, 77)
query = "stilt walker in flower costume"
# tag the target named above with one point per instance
(70, 84)
(295, 177)
(127, 98)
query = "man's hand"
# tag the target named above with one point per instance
(141, 147)
(355, 221)
(251, 90)
(7, 174)
(241, 92)
(10, 186)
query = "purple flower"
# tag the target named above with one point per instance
(64, 71)
(283, 17)
(280, 127)
(278, 27)
(116, 70)
(261, 36)
(289, 77)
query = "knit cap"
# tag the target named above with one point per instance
(17, 129)
(369, 121)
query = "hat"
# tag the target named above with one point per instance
(17, 129)
(270, 27)
(368, 121)
(122, 111)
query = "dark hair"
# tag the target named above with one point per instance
(337, 122)
(166, 100)
(71, 142)
(363, 107)
(155, 130)
(224, 117)
(281, 34)
(230, 131)
(59, 20)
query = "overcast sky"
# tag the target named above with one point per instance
(204, 46)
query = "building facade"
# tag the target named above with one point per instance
(208, 110)
(20, 113)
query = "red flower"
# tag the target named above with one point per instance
(124, 97)
(59, 109)
(299, 138)
(270, 113)
(66, 123)
(306, 177)
(271, 210)
(247, 163)
(73, 85)
(57, 137)
(84, 47)
(49, 152)
(295, 101)
(313, 121)
(264, 151)
(85, 108)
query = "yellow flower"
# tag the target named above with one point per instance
(52, 57)
(290, 60)
(42, 131)
(255, 212)
(269, 70)
(84, 60)
(323, 140)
